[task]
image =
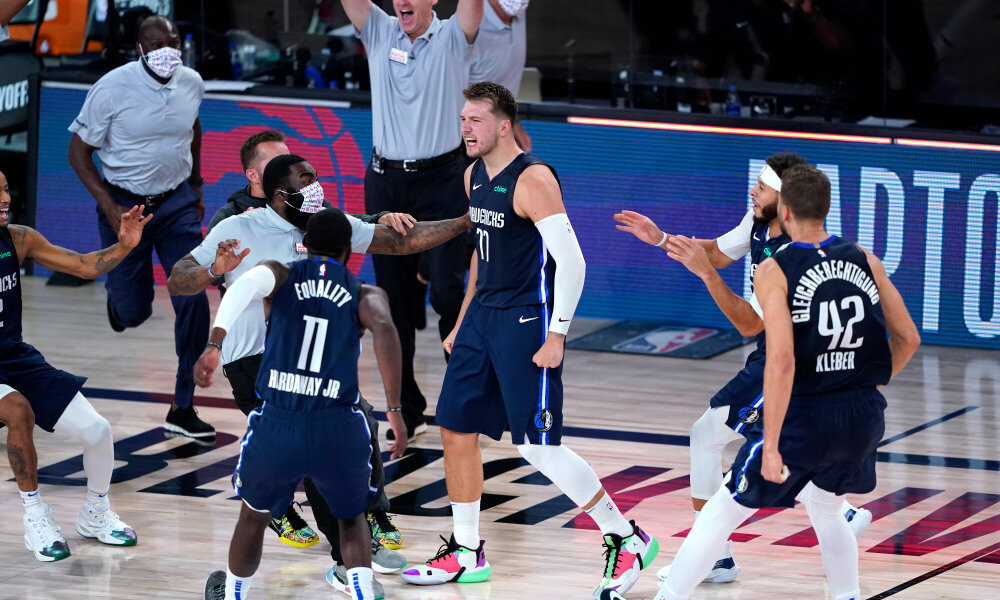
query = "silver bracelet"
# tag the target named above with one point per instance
(665, 236)
(214, 276)
(397, 409)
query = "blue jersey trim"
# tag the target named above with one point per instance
(825, 242)
(746, 465)
(246, 440)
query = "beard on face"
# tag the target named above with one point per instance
(484, 145)
(767, 214)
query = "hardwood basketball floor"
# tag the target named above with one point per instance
(937, 505)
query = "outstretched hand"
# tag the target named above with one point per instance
(691, 254)
(132, 223)
(640, 226)
(226, 258)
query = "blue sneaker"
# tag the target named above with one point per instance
(725, 570)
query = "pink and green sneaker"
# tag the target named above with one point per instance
(625, 557)
(451, 563)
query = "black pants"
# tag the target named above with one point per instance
(437, 193)
(242, 375)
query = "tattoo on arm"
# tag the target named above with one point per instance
(107, 259)
(186, 278)
(426, 234)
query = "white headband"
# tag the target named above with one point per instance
(768, 176)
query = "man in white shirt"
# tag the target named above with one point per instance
(142, 121)
(9, 8)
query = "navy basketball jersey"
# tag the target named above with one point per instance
(313, 341)
(837, 320)
(763, 247)
(10, 291)
(515, 269)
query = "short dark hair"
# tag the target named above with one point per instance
(806, 191)
(155, 22)
(503, 102)
(328, 233)
(781, 161)
(248, 151)
(277, 173)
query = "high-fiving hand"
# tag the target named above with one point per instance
(640, 226)
(132, 223)
(226, 258)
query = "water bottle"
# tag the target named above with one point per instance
(733, 102)
(189, 53)
(234, 60)
(248, 58)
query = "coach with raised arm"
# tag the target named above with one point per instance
(419, 65)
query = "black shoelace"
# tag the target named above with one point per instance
(611, 566)
(383, 522)
(447, 548)
(294, 519)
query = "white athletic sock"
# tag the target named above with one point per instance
(99, 502)
(836, 542)
(607, 516)
(237, 587)
(704, 544)
(465, 517)
(33, 505)
(846, 506)
(360, 582)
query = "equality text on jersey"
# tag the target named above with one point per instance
(483, 216)
(305, 385)
(320, 288)
(805, 289)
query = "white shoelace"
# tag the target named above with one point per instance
(45, 529)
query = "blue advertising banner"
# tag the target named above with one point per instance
(929, 211)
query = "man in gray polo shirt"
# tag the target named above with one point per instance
(142, 121)
(501, 51)
(419, 66)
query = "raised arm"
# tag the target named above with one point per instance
(81, 159)
(904, 339)
(9, 8)
(31, 244)
(257, 283)
(189, 277)
(646, 230)
(357, 11)
(469, 14)
(423, 235)
(373, 312)
(691, 253)
(779, 371)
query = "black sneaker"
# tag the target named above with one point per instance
(215, 587)
(413, 429)
(185, 421)
(115, 325)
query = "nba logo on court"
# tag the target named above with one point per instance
(664, 339)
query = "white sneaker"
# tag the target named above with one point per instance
(105, 527)
(337, 578)
(41, 536)
(725, 570)
(859, 519)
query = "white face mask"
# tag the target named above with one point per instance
(163, 61)
(513, 7)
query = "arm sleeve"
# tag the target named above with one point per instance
(560, 241)
(361, 234)
(736, 243)
(96, 114)
(255, 284)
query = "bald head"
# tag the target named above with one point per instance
(157, 32)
